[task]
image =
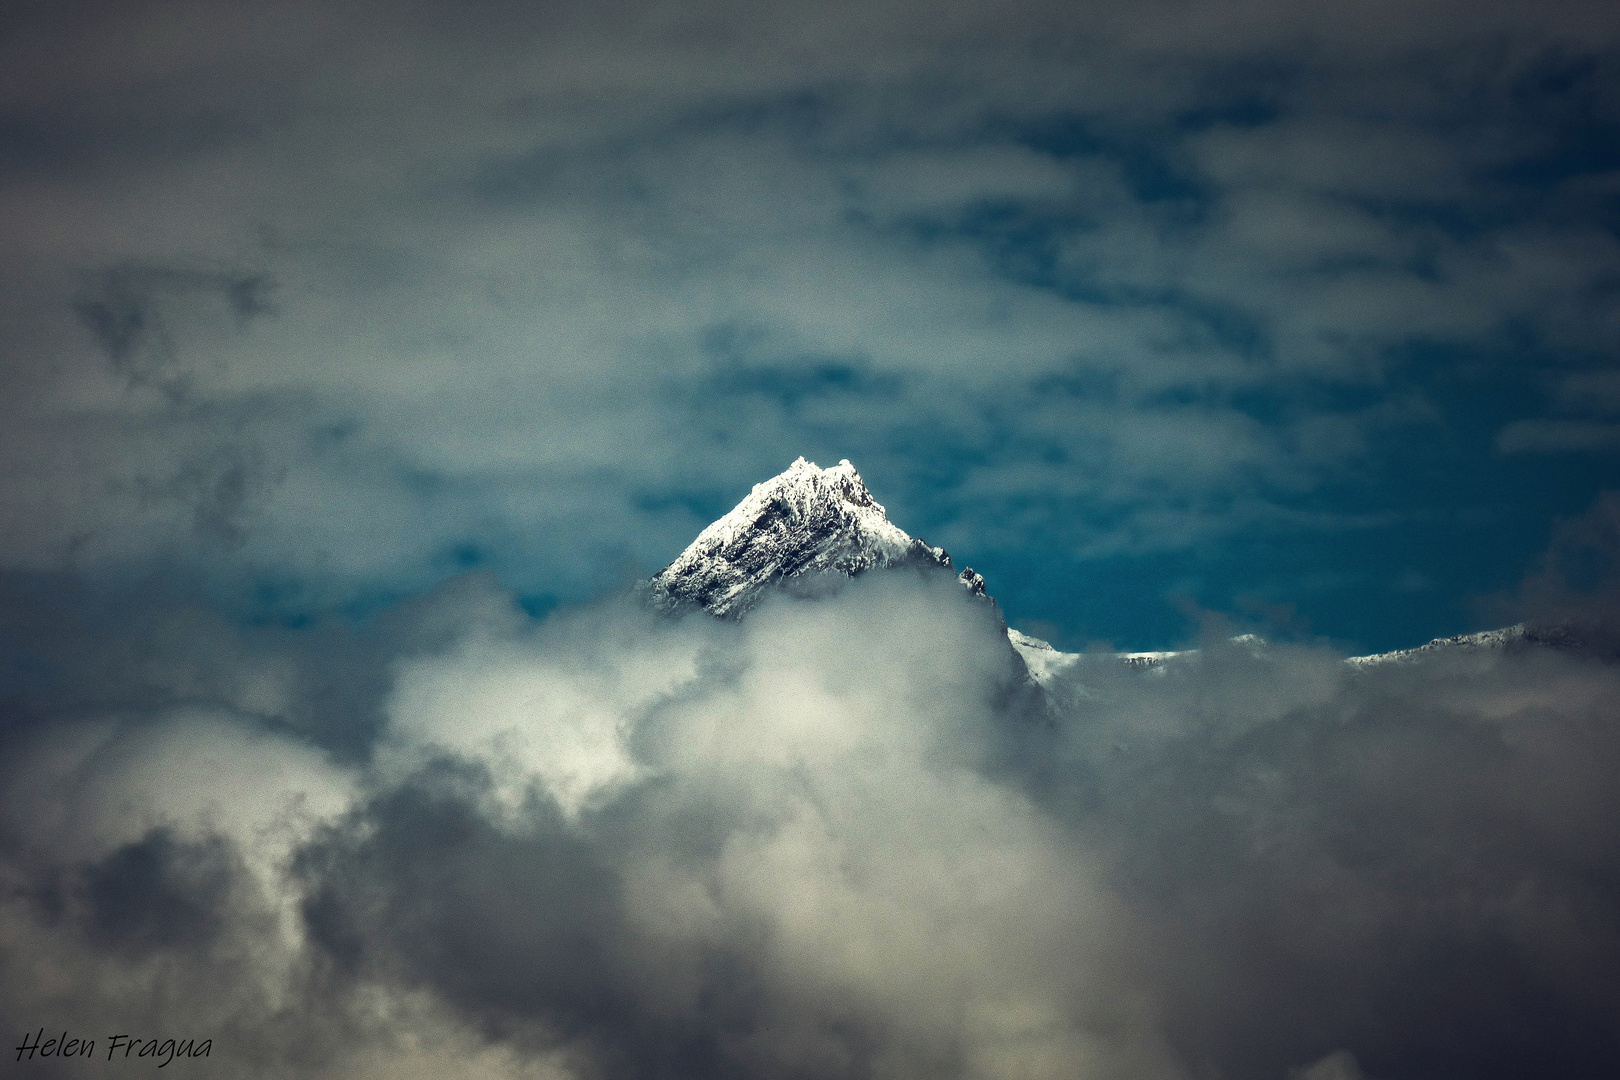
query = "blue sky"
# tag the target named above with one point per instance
(1305, 319)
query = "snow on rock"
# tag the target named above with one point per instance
(1040, 658)
(805, 521)
(1045, 663)
(1489, 639)
(1511, 639)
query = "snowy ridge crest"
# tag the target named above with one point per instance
(1510, 639)
(805, 521)
(1045, 662)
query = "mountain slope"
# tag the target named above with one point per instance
(803, 522)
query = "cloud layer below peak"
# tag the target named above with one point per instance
(832, 840)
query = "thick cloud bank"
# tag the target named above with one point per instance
(836, 839)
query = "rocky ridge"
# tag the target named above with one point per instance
(1515, 638)
(807, 522)
(804, 522)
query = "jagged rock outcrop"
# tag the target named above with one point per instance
(801, 523)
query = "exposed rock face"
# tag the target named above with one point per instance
(804, 522)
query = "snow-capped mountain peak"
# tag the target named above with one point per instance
(806, 520)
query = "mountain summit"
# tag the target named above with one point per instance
(805, 521)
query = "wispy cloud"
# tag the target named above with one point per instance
(1163, 265)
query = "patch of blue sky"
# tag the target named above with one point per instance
(1156, 172)
(747, 363)
(1422, 497)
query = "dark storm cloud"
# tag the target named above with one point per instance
(155, 893)
(1370, 861)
